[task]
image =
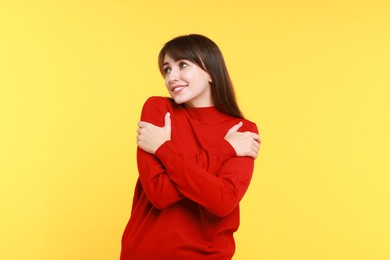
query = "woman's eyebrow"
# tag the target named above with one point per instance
(175, 61)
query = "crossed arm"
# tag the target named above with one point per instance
(151, 137)
(168, 176)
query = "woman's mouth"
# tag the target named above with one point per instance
(178, 89)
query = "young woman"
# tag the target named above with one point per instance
(195, 159)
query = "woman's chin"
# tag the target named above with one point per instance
(178, 100)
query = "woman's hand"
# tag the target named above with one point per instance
(151, 137)
(244, 143)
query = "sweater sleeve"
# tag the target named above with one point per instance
(157, 184)
(219, 193)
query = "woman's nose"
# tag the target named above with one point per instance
(173, 75)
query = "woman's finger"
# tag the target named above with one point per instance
(256, 137)
(235, 128)
(142, 124)
(256, 144)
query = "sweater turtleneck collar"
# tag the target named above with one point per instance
(206, 114)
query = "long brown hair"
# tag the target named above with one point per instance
(205, 53)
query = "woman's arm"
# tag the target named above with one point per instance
(158, 186)
(219, 193)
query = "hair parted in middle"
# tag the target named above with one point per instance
(205, 53)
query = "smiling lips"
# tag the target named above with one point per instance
(177, 89)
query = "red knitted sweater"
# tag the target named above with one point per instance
(186, 199)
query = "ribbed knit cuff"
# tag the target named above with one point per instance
(224, 149)
(165, 152)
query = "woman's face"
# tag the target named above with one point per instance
(187, 83)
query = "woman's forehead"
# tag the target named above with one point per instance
(170, 59)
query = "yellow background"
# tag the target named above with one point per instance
(314, 76)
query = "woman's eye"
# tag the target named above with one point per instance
(183, 64)
(167, 70)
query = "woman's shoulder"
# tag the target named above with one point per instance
(158, 100)
(158, 103)
(249, 125)
(155, 109)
